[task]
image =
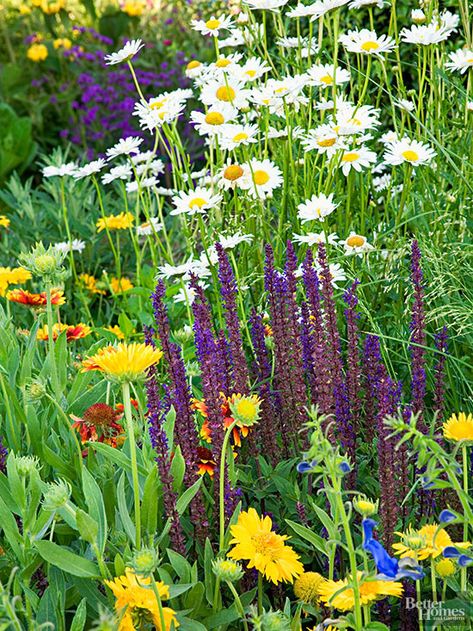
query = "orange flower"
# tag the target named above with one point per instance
(205, 463)
(23, 297)
(239, 431)
(99, 424)
(73, 331)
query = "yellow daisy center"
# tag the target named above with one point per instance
(327, 79)
(280, 90)
(225, 93)
(156, 105)
(233, 172)
(327, 142)
(351, 156)
(193, 64)
(197, 201)
(355, 121)
(214, 118)
(410, 155)
(260, 177)
(367, 46)
(240, 136)
(223, 63)
(251, 73)
(212, 24)
(246, 408)
(355, 241)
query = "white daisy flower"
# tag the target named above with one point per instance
(314, 238)
(156, 111)
(227, 90)
(147, 182)
(213, 26)
(438, 30)
(367, 42)
(336, 271)
(406, 105)
(124, 147)
(261, 178)
(200, 200)
(194, 68)
(149, 227)
(382, 182)
(408, 151)
(358, 158)
(418, 16)
(326, 75)
(358, 4)
(120, 172)
(69, 168)
(356, 244)
(76, 245)
(299, 11)
(156, 167)
(126, 53)
(323, 139)
(233, 135)
(321, 7)
(253, 69)
(186, 295)
(168, 271)
(351, 119)
(269, 5)
(144, 156)
(214, 119)
(229, 242)
(89, 169)
(460, 60)
(236, 38)
(316, 208)
(230, 176)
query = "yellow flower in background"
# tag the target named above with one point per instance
(124, 362)
(134, 8)
(340, 595)
(73, 331)
(37, 52)
(119, 285)
(52, 7)
(24, 9)
(15, 276)
(265, 550)
(90, 283)
(459, 428)
(122, 221)
(63, 42)
(306, 587)
(445, 568)
(4, 221)
(116, 330)
(135, 597)
(427, 542)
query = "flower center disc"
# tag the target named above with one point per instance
(410, 156)
(225, 93)
(260, 177)
(214, 118)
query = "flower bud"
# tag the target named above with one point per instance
(26, 465)
(56, 495)
(227, 570)
(365, 506)
(144, 562)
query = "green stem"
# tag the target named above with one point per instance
(238, 604)
(223, 457)
(260, 593)
(52, 357)
(160, 604)
(419, 601)
(134, 466)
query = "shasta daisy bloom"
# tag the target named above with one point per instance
(76, 245)
(357, 4)
(156, 111)
(134, 597)
(340, 595)
(255, 541)
(213, 120)
(460, 60)
(356, 244)
(122, 221)
(213, 26)
(351, 119)
(418, 16)
(200, 200)
(230, 176)
(314, 238)
(323, 139)
(234, 135)
(326, 75)
(357, 159)
(253, 69)
(60, 171)
(408, 151)
(125, 147)
(228, 242)
(226, 90)
(149, 227)
(261, 178)
(126, 53)
(120, 172)
(459, 427)
(194, 68)
(367, 42)
(269, 5)
(89, 169)
(316, 208)
(124, 362)
(23, 297)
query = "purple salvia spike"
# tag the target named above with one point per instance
(308, 350)
(418, 338)
(229, 290)
(371, 376)
(353, 353)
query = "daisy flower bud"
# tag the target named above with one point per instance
(227, 570)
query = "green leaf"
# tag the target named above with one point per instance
(78, 622)
(180, 565)
(310, 536)
(149, 505)
(187, 497)
(95, 503)
(178, 467)
(127, 522)
(117, 457)
(65, 560)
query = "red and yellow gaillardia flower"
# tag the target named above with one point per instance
(73, 331)
(23, 297)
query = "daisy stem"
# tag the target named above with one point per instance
(238, 604)
(135, 80)
(221, 481)
(160, 604)
(134, 465)
(260, 593)
(52, 357)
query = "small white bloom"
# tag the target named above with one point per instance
(460, 60)
(120, 172)
(126, 53)
(269, 5)
(229, 242)
(404, 104)
(60, 171)
(357, 158)
(214, 119)
(213, 26)
(149, 227)
(316, 208)
(233, 135)
(261, 178)
(124, 147)
(418, 16)
(367, 42)
(314, 238)
(356, 244)
(408, 151)
(200, 200)
(76, 245)
(89, 169)
(325, 75)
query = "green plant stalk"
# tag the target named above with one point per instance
(260, 593)
(433, 580)
(68, 425)
(463, 575)
(52, 357)
(419, 598)
(221, 481)
(134, 465)
(238, 604)
(160, 603)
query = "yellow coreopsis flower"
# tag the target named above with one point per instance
(124, 362)
(306, 587)
(340, 595)
(15, 276)
(459, 428)
(37, 52)
(134, 596)
(4, 221)
(122, 221)
(265, 550)
(425, 543)
(62, 42)
(90, 283)
(116, 330)
(134, 8)
(119, 285)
